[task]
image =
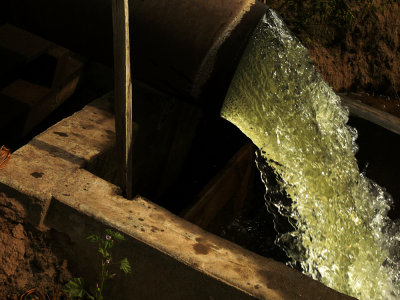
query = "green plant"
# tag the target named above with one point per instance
(76, 286)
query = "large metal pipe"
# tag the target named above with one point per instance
(187, 48)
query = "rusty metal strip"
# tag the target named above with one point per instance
(5, 155)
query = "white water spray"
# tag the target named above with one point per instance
(279, 100)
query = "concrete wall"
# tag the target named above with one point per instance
(171, 258)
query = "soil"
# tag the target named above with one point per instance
(360, 56)
(27, 260)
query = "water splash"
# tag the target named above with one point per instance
(342, 234)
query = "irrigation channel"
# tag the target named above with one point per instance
(341, 234)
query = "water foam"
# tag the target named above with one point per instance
(342, 234)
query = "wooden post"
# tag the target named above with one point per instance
(123, 92)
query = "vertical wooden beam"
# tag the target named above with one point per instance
(123, 92)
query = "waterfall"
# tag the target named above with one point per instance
(342, 234)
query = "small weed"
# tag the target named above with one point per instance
(76, 286)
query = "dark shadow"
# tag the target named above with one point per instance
(57, 152)
(379, 158)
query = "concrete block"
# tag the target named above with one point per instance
(36, 77)
(171, 258)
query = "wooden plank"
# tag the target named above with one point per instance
(22, 42)
(27, 98)
(187, 118)
(123, 92)
(374, 115)
(230, 184)
(68, 65)
(26, 92)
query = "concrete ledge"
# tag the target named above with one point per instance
(171, 258)
(35, 169)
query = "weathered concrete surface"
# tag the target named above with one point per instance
(187, 243)
(37, 168)
(171, 258)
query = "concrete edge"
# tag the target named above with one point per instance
(49, 169)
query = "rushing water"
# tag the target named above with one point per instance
(342, 234)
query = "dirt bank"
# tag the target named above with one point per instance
(26, 257)
(356, 48)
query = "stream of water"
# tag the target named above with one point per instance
(342, 234)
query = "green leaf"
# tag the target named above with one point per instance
(104, 253)
(108, 244)
(118, 236)
(109, 232)
(115, 235)
(75, 287)
(125, 266)
(93, 238)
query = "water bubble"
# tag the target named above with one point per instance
(341, 233)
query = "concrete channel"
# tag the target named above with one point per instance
(171, 258)
(55, 175)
